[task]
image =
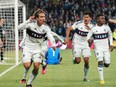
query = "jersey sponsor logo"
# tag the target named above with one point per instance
(35, 34)
(81, 33)
(105, 30)
(100, 36)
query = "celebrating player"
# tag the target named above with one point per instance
(35, 41)
(102, 37)
(80, 44)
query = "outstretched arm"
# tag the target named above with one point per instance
(67, 34)
(51, 38)
(57, 36)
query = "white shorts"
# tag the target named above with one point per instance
(44, 50)
(79, 50)
(103, 55)
(34, 55)
(30, 55)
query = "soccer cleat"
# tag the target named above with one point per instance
(44, 69)
(102, 81)
(85, 80)
(29, 85)
(23, 81)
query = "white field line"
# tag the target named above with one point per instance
(9, 69)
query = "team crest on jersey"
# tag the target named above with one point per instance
(43, 31)
(23, 55)
(96, 31)
(74, 52)
(81, 28)
(97, 53)
(105, 30)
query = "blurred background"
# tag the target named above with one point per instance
(61, 14)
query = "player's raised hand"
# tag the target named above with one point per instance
(31, 18)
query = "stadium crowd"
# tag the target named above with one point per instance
(63, 13)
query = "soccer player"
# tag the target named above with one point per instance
(44, 51)
(37, 34)
(102, 38)
(2, 39)
(80, 44)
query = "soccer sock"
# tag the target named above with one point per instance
(1, 54)
(86, 68)
(32, 77)
(25, 73)
(100, 71)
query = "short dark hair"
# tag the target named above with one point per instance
(98, 15)
(88, 13)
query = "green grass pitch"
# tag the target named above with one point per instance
(65, 74)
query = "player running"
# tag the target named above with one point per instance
(80, 44)
(102, 38)
(59, 44)
(37, 34)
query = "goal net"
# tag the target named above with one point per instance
(8, 13)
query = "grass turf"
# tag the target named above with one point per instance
(65, 74)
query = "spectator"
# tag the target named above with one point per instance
(72, 10)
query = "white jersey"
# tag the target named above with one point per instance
(102, 37)
(56, 36)
(80, 33)
(36, 35)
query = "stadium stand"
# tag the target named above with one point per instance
(62, 13)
